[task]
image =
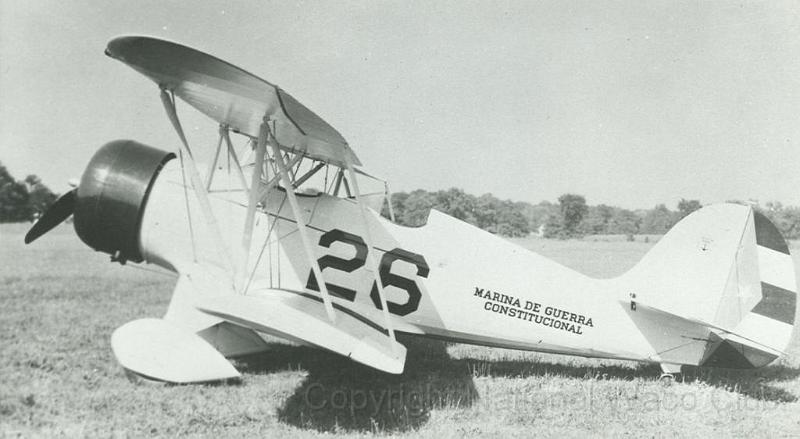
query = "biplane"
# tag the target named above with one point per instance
(275, 236)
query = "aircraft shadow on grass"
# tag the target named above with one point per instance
(339, 394)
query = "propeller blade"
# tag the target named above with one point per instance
(58, 212)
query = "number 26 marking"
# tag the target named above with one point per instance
(385, 270)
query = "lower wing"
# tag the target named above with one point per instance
(299, 317)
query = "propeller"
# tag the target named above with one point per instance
(63, 207)
(108, 201)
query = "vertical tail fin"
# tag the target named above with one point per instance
(728, 267)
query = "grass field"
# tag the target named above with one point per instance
(61, 301)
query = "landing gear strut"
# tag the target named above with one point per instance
(668, 373)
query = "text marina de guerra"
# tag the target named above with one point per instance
(533, 312)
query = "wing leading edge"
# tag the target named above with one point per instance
(232, 96)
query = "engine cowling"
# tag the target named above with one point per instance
(112, 194)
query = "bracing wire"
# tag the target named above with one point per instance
(188, 210)
(261, 253)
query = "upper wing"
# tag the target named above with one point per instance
(232, 96)
(289, 315)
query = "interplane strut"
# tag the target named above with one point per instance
(255, 183)
(194, 176)
(301, 228)
(371, 256)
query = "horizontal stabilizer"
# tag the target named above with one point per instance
(158, 349)
(296, 317)
(691, 341)
(674, 339)
(741, 339)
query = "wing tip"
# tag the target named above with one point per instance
(159, 350)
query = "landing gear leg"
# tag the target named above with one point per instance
(668, 373)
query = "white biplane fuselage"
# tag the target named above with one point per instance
(446, 278)
(255, 254)
(451, 280)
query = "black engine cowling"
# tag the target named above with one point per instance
(112, 194)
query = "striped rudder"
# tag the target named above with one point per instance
(727, 269)
(759, 303)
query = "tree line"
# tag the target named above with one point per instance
(569, 217)
(503, 217)
(572, 217)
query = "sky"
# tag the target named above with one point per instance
(627, 103)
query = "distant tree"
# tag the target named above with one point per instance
(32, 180)
(511, 221)
(398, 201)
(596, 220)
(789, 222)
(456, 203)
(658, 220)
(5, 177)
(40, 196)
(771, 208)
(537, 214)
(786, 219)
(624, 222)
(527, 210)
(486, 210)
(685, 207)
(13, 198)
(573, 208)
(417, 206)
(22, 200)
(14, 202)
(554, 227)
